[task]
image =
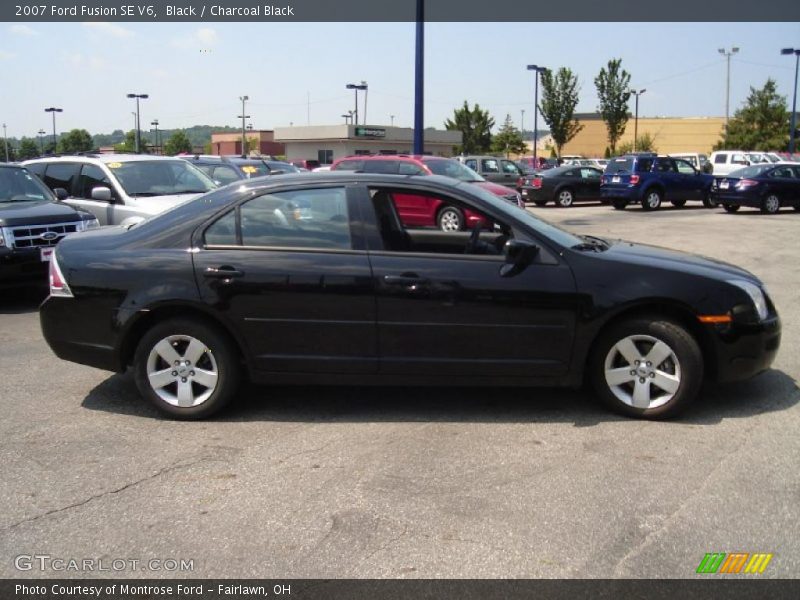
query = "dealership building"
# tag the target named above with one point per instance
(327, 143)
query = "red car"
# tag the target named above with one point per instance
(428, 211)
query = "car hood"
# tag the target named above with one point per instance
(37, 212)
(495, 188)
(156, 204)
(674, 260)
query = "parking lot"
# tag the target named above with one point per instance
(453, 482)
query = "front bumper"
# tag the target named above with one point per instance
(22, 266)
(745, 350)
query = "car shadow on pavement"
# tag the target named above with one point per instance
(22, 300)
(770, 392)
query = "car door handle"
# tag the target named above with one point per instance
(405, 280)
(223, 272)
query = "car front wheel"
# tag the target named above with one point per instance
(540, 202)
(187, 368)
(647, 368)
(450, 219)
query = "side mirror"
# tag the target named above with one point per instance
(61, 193)
(519, 254)
(101, 193)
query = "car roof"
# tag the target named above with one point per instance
(104, 158)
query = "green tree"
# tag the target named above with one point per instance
(28, 149)
(644, 143)
(559, 99)
(508, 139)
(129, 145)
(475, 125)
(613, 90)
(762, 123)
(177, 143)
(76, 140)
(7, 149)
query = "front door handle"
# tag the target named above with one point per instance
(409, 281)
(223, 272)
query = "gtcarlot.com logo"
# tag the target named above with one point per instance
(734, 563)
(45, 562)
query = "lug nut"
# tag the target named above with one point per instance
(637, 363)
(633, 372)
(652, 375)
(174, 373)
(649, 364)
(183, 379)
(641, 380)
(177, 362)
(191, 373)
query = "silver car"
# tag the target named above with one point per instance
(121, 189)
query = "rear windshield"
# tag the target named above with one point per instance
(752, 171)
(618, 165)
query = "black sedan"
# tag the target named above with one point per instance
(563, 185)
(767, 187)
(240, 283)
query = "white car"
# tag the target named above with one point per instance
(696, 159)
(726, 161)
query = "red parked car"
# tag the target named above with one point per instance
(428, 211)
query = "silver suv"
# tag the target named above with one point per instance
(121, 189)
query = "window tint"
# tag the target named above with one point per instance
(472, 164)
(570, 173)
(721, 158)
(207, 169)
(643, 165)
(223, 231)
(299, 219)
(407, 168)
(684, 167)
(489, 165)
(618, 165)
(739, 159)
(60, 175)
(224, 174)
(664, 166)
(381, 166)
(37, 169)
(590, 174)
(350, 165)
(510, 167)
(91, 177)
(782, 172)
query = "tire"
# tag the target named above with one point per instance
(708, 202)
(771, 204)
(652, 200)
(731, 208)
(540, 202)
(619, 204)
(678, 203)
(450, 219)
(633, 390)
(208, 350)
(796, 207)
(565, 198)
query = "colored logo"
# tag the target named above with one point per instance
(734, 562)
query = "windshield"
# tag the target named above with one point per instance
(160, 177)
(751, 171)
(454, 169)
(18, 185)
(253, 169)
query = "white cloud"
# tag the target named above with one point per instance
(200, 39)
(111, 29)
(79, 61)
(22, 30)
(6, 55)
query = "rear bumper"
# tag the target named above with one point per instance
(739, 199)
(629, 193)
(19, 267)
(745, 350)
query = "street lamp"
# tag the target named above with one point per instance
(5, 138)
(796, 52)
(138, 120)
(54, 110)
(522, 121)
(392, 119)
(244, 116)
(636, 117)
(154, 123)
(537, 70)
(41, 133)
(355, 87)
(727, 54)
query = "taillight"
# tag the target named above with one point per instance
(536, 183)
(520, 182)
(746, 183)
(634, 179)
(58, 285)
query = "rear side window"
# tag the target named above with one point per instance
(643, 165)
(350, 165)
(391, 167)
(60, 175)
(472, 164)
(407, 168)
(720, 159)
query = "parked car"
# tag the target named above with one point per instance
(224, 170)
(597, 163)
(563, 186)
(121, 189)
(540, 164)
(421, 210)
(32, 222)
(725, 161)
(648, 179)
(353, 296)
(766, 186)
(697, 160)
(493, 169)
(305, 163)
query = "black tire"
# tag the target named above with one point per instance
(450, 218)
(678, 203)
(708, 202)
(771, 204)
(796, 207)
(619, 204)
(652, 200)
(540, 202)
(685, 362)
(565, 198)
(219, 355)
(731, 208)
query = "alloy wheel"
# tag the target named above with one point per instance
(642, 371)
(182, 371)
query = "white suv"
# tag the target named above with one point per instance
(121, 189)
(726, 161)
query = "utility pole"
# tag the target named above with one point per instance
(244, 116)
(355, 87)
(727, 54)
(636, 117)
(537, 70)
(154, 123)
(522, 120)
(419, 80)
(5, 139)
(796, 52)
(54, 110)
(138, 120)
(42, 133)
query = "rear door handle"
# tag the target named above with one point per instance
(223, 272)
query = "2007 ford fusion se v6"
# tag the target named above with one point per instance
(314, 278)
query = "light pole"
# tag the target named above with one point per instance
(537, 70)
(522, 121)
(41, 132)
(154, 123)
(391, 117)
(636, 117)
(355, 87)
(54, 110)
(5, 139)
(244, 116)
(138, 120)
(727, 54)
(796, 52)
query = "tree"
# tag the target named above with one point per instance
(761, 124)
(475, 125)
(644, 143)
(27, 149)
(129, 145)
(7, 149)
(559, 99)
(613, 90)
(177, 143)
(508, 139)
(76, 140)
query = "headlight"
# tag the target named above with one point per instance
(2, 238)
(92, 223)
(756, 295)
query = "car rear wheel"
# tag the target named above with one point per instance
(647, 368)
(450, 219)
(619, 204)
(186, 368)
(652, 200)
(565, 198)
(678, 203)
(540, 202)
(731, 208)
(771, 204)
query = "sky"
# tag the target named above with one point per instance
(195, 73)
